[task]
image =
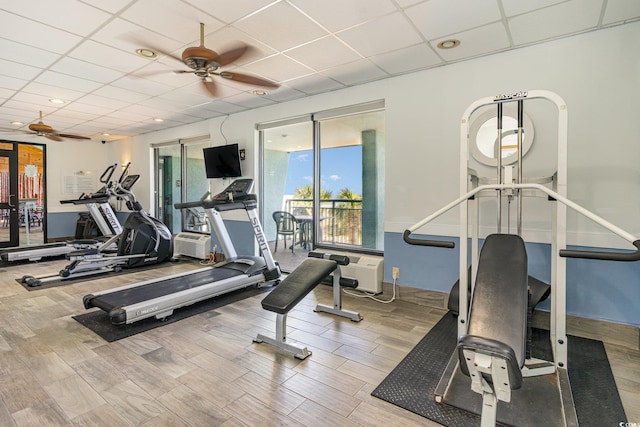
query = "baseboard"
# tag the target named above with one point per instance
(608, 332)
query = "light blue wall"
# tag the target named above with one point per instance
(603, 290)
(63, 224)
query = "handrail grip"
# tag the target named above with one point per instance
(426, 242)
(604, 255)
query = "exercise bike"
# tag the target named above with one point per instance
(144, 240)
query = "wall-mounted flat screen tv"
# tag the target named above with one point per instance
(222, 161)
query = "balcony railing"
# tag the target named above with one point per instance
(340, 219)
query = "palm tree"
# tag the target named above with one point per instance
(306, 192)
(351, 213)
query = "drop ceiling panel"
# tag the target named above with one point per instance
(351, 12)
(357, 72)
(61, 14)
(229, 11)
(555, 21)
(21, 71)
(113, 92)
(323, 53)
(408, 59)
(369, 40)
(173, 19)
(68, 82)
(23, 54)
(517, 7)
(128, 37)
(83, 69)
(312, 84)
(439, 18)
(621, 10)
(278, 68)
(112, 6)
(49, 92)
(141, 85)
(479, 41)
(281, 26)
(31, 33)
(108, 57)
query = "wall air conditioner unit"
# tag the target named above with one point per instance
(369, 270)
(192, 244)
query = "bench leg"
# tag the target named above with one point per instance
(337, 301)
(298, 351)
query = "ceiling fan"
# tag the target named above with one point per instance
(205, 63)
(47, 131)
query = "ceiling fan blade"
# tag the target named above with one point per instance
(233, 54)
(3, 129)
(210, 87)
(245, 78)
(68, 135)
(53, 137)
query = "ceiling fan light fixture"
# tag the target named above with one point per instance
(146, 53)
(56, 101)
(448, 44)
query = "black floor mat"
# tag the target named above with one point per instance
(412, 383)
(100, 323)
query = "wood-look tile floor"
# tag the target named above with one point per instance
(205, 370)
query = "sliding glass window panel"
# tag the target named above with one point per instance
(352, 181)
(168, 168)
(287, 174)
(195, 186)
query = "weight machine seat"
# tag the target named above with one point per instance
(298, 284)
(497, 324)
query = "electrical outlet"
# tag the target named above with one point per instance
(395, 272)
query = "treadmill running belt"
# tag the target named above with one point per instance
(149, 291)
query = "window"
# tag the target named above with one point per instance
(180, 177)
(327, 169)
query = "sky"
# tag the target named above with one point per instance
(340, 167)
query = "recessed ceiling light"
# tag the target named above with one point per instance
(449, 44)
(106, 134)
(158, 119)
(16, 123)
(146, 53)
(56, 101)
(259, 92)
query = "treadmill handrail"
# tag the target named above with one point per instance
(102, 198)
(248, 202)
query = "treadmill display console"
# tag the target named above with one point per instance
(237, 191)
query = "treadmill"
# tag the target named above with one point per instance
(160, 297)
(101, 212)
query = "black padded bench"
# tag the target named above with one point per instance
(313, 271)
(298, 284)
(493, 351)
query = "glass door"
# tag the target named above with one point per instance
(9, 202)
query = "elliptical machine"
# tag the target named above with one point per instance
(144, 240)
(142, 234)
